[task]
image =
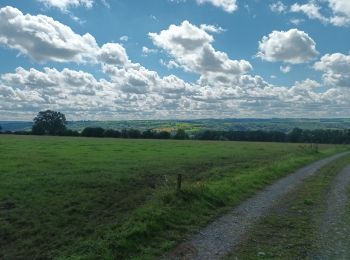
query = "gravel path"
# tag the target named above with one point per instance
(220, 237)
(334, 229)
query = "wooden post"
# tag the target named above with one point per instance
(179, 182)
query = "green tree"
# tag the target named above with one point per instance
(181, 135)
(93, 132)
(163, 135)
(296, 135)
(50, 123)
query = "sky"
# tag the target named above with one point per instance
(175, 59)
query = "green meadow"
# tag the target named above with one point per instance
(78, 198)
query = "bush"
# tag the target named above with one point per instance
(112, 133)
(162, 135)
(93, 132)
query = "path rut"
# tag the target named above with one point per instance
(220, 237)
(334, 229)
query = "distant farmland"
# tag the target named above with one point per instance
(283, 125)
(110, 198)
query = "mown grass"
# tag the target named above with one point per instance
(291, 230)
(77, 198)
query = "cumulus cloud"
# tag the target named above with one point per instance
(336, 68)
(224, 87)
(341, 12)
(139, 93)
(192, 48)
(291, 46)
(65, 5)
(171, 64)
(335, 12)
(285, 69)
(307, 84)
(33, 89)
(212, 28)
(311, 9)
(113, 53)
(44, 39)
(278, 7)
(146, 51)
(227, 5)
(133, 92)
(296, 21)
(124, 38)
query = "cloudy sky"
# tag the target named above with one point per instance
(167, 59)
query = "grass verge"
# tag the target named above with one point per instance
(290, 231)
(169, 216)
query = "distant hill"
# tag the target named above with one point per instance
(15, 125)
(274, 124)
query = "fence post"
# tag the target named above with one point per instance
(179, 181)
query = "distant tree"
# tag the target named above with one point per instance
(21, 132)
(49, 122)
(93, 132)
(180, 135)
(162, 135)
(148, 134)
(124, 133)
(210, 135)
(112, 133)
(70, 132)
(134, 133)
(296, 135)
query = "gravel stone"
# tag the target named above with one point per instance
(334, 229)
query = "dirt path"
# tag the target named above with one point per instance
(220, 237)
(334, 229)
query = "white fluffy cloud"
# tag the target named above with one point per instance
(335, 12)
(191, 47)
(278, 7)
(113, 53)
(227, 5)
(124, 38)
(212, 28)
(139, 93)
(341, 12)
(285, 69)
(336, 68)
(224, 87)
(44, 39)
(131, 92)
(291, 46)
(65, 5)
(146, 51)
(311, 9)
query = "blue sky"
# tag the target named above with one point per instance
(157, 59)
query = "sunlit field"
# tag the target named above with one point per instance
(112, 198)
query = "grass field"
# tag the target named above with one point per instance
(77, 198)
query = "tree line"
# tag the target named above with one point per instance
(54, 123)
(297, 135)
